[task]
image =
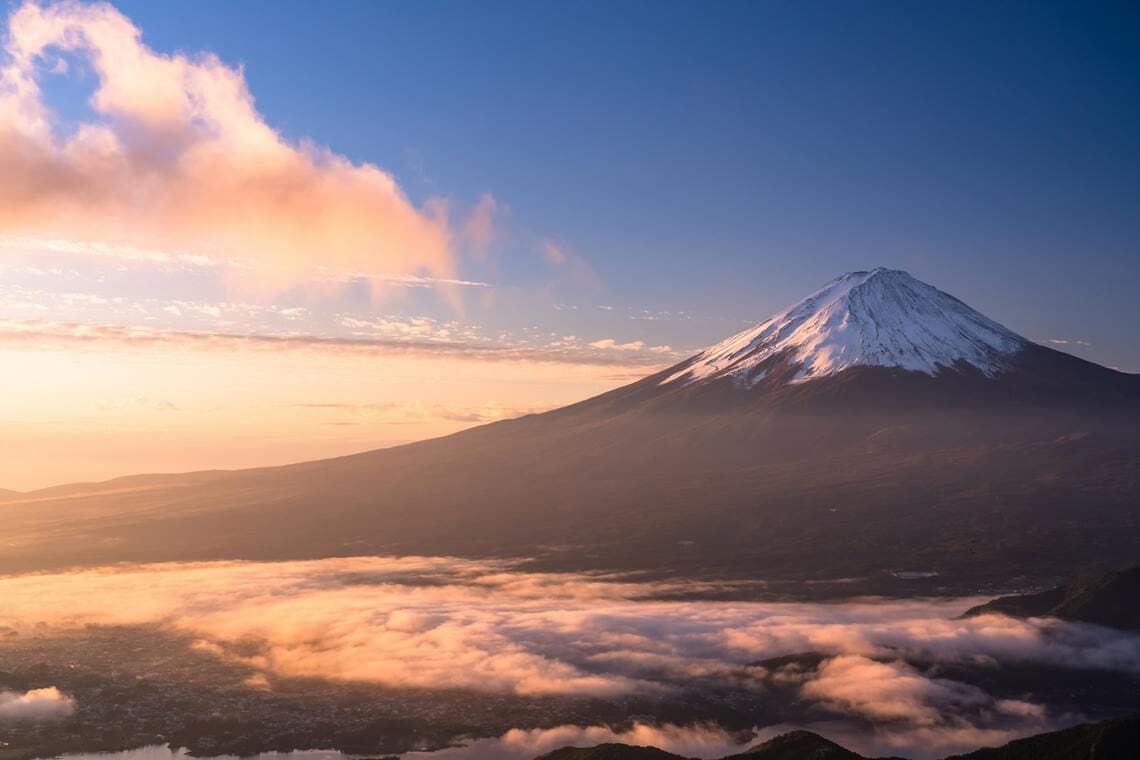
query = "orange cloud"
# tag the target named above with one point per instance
(177, 158)
(889, 690)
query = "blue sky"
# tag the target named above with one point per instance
(728, 159)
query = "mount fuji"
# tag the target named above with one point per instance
(882, 318)
(878, 436)
(882, 339)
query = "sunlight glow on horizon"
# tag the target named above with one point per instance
(188, 289)
(195, 273)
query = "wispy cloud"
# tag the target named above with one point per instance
(138, 402)
(634, 345)
(405, 327)
(418, 411)
(1067, 341)
(479, 228)
(45, 333)
(566, 260)
(106, 250)
(37, 249)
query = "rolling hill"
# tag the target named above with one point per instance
(1114, 739)
(1111, 600)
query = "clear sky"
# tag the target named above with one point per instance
(263, 232)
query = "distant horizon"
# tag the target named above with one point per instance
(1055, 345)
(478, 221)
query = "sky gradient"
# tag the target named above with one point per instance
(248, 234)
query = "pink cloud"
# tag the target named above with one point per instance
(480, 226)
(177, 158)
(569, 263)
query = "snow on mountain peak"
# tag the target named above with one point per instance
(880, 318)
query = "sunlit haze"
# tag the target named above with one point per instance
(372, 224)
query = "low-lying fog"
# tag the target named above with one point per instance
(445, 623)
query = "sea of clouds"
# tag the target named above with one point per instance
(438, 622)
(34, 705)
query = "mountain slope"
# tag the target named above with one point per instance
(1108, 740)
(1027, 466)
(794, 745)
(797, 745)
(1115, 739)
(1111, 600)
(610, 752)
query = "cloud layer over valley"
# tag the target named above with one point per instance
(444, 623)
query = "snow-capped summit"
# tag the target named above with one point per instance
(880, 318)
